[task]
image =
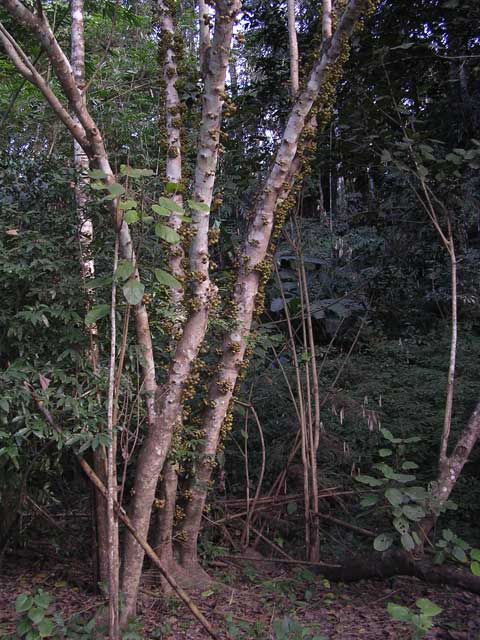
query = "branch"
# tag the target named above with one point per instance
(23, 65)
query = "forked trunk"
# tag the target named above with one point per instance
(169, 399)
(253, 269)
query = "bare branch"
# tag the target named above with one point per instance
(23, 65)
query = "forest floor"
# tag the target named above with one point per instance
(248, 600)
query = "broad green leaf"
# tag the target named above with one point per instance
(124, 270)
(97, 312)
(43, 599)
(116, 189)
(397, 612)
(133, 291)
(459, 554)
(448, 535)
(167, 279)
(169, 204)
(369, 500)
(384, 453)
(414, 512)
(167, 233)
(475, 554)
(201, 207)
(394, 496)
(36, 614)
(408, 465)
(403, 477)
(387, 434)
(416, 493)
(407, 542)
(131, 216)
(428, 607)
(98, 186)
(174, 187)
(475, 568)
(128, 204)
(162, 211)
(97, 174)
(23, 603)
(95, 283)
(125, 170)
(383, 542)
(370, 480)
(45, 628)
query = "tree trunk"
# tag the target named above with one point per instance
(87, 266)
(169, 399)
(252, 271)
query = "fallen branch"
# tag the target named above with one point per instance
(400, 563)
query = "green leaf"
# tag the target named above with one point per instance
(131, 216)
(448, 535)
(459, 554)
(43, 599)
(95, 283)
(407, 542)
(201, 207)
(428, 607)
(116, 189)
(384, 453)
(475, 554)
(128, 204)
(403, 477)
(133, 291)
(162, 211)
(414, 512)
(383, 542)
(418, 494)
(97, 174)
(401, 525)
(167, 279)
(167, 233)
(23, 603)
(369, 500)
(169, 204)
(125, 170)
(370, 480)
(387, 434)
(397, 612)
(408, 465)
(36, 614)
(292, 508)
(97, 312)
(45, 628)
(475, 568)
(124, 270)
(173, 187)
(394, 496)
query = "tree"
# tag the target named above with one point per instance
(164, 404)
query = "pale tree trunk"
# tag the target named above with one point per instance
(165, 514)
(169, 402)
(87, 265)
(113, 550)
(252, 271)
(293, 48)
